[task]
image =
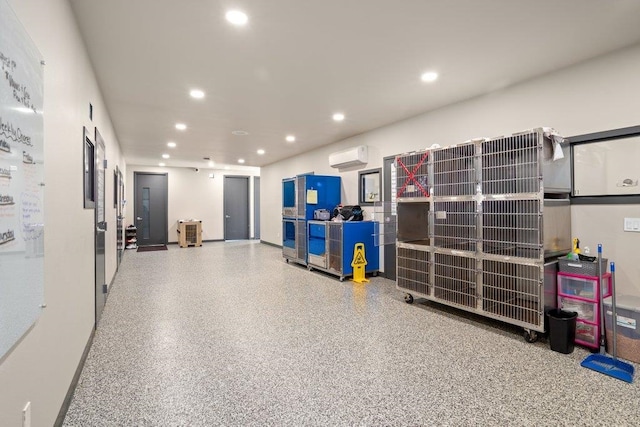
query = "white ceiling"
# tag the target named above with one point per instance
(299, 61)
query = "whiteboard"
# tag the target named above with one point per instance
(607, 168)
(21, 181)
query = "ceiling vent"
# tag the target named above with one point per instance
(354, 156)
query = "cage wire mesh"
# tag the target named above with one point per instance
(512, 228)
(301, 239)
(512, 291)
(412, 175)
(455, 279)
(510, 165)
(301, 196)
(454, 172)
(191, 233)
(412, 271)
(455, 225)
(335, 246)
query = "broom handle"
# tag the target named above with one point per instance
(603, 339)
(613, 305)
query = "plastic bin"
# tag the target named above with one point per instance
(583, 286)
(627, 328)
(586, 310)
(584, 268)
(562, 330)
(586, 334)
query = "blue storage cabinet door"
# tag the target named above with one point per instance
(328, 190)
(317, 239)
(289, 234)
(289, 198)
(359, 232)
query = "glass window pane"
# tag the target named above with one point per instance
(146, 233)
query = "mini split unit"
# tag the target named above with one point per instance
(354, 156)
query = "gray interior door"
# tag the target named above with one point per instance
(256, 207)
(119, 217)
(387, 196)
(236, 207)
(100, 228)
(151, 210)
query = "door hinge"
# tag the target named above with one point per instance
(104, 288)
(105, 163)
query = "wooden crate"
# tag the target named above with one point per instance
(189, 233)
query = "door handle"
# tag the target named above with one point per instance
(138, 218)
(100, 229)
(227, 216)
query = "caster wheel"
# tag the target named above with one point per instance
(342, 279)
(408, 298)
(530, 336)
(309, 268)
(287, 261)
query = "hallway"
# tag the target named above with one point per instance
(230, 334)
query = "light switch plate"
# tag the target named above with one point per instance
(632, 224)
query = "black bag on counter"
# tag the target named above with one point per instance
(349, 213)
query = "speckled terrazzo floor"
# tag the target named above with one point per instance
(230, 335)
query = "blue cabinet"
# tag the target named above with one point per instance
(305, 193)
(301, 196)
(294, 240)
(331, 246)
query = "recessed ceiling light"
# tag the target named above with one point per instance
(240, 132)
(196, 93)
(171, 144)
(161, 164)
(429, 76)
(240, 160)
(260, 151)
(237, 17)
(211, 163)
(181, 126)
(165, 156)
(291, 138)
(338, 117)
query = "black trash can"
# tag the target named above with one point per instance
(562, 330)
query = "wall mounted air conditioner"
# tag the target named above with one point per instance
(354, 156)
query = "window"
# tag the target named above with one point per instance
(88, 172)
(605, 167)
(369, 186)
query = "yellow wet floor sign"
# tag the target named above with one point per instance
(359, 262)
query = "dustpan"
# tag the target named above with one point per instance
(609, 366)
(602, 363)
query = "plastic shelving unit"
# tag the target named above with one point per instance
(579, 293)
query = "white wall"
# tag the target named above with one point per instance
(192, 195)
(40, 369)
(598, 95)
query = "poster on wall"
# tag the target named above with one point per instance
(21, 181)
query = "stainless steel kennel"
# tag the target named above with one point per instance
(479, 225)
